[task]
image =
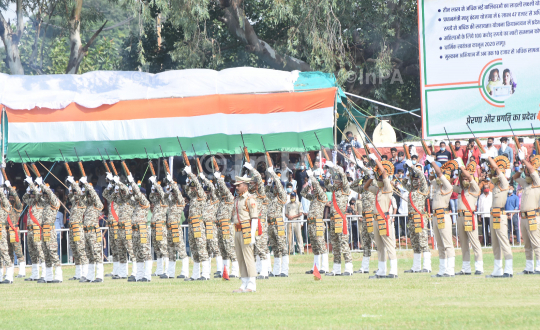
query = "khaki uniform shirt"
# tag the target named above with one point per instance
(500, 192)
(245, 208)
(442, 191)
(531, 192)
(292, 209)
(384, 195)
(471, 195)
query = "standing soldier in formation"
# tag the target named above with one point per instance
(256, 188)
(339, 235)
(33, 236)
(528, 210)
(92, 233)
(225, 236)
(76, 229)
(14, 245)
(175, 234)
(469, 191)
(209, 218)
(316, 228)
(276, 227)
(112, 222)
(159, 229)
(197, 236)
(418, 218)
(124, 243)
(499, 220)
(4, 239)
(50, 204)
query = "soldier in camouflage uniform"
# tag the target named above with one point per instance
(15, 248)
(51, 204)
(316, 228)
(159, 228)
(76, 229)
(261, 251)
(209, 218)
(340, 241)
(92, 234)
(175, 234)
(276, 226)
(4, 239)
(418, 228)
(197, 235)
(112, 223)
(124, 244)
(225, 229)
(33, 237)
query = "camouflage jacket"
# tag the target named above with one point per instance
(259, 193)
(367, 204)
(176, 204)
(226, 200)
(212, 202)
(51, 204)
(5, 210)
(342, 194)
(35, 204)
(277, 196)
(317, 198)
(78, 204)
(16, 207)
(140, 205)
(113, 200)
(418, 195)
(197, 202)
(161, 204)
(124, 209)
(93, 206)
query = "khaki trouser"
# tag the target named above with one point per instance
(445, 245)
(466, 237)
(385, 244)
(297, 228)
(244, 254)
(499, 239)
(531, 240)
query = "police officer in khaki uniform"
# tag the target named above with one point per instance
(293, 212)
(245, 220)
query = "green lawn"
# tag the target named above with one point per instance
(412, 301)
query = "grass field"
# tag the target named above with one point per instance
(412, 301)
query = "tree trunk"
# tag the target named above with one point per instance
(11, 40)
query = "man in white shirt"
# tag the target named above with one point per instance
(491, 151)
(484, 206)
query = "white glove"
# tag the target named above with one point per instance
(169, 178)
(83, 180)
(217, 175)
(248, 166)
(109, 186)
(430, 159)
(152, 179)
(372, 156)
(39, 181)
(270, 169)
(109, 176)
(371, 174)
(485, 167)
(409, 163)
(70, 179)
(484, 156)
(187, 169)
(116, 179)
(521, 155)
(309, 173)
(130, 178)
(201, 175)
(359, 163)
(7, 183)
(28, 191)
(329, 164)
(28, 179)
(328, 175)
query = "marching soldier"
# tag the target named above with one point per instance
(76, 229)
(528, 210)
(245, 220)
(209, 218)
(112, 222)
(15, 248)
(339, 235)
(384, 235)
(197, 236)
(225, 236)
(34, 231)
(4, 239)
(276, 227)
(499, 220)
(316, 228)
(121, 204)
(92, 233)
(469, 191)
(159, 229)
(418, 218)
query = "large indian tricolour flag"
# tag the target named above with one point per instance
(131, 111)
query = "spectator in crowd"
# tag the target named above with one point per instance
(290, 181)
(484, 207)
(515, 168)
(491, 151)
(458, 150)
(350, 140)
(523, 148)
(472, 153)
(402, 209)
(400, 175)
(384, 157)
(97, 187)
(400, 163)
(485, 182)
(59, 224)
(100, 175)
(512, 204)
(505, 149)
(412, 151)
(351, 210)
(454, 200)
(443, 155)
(394, 154)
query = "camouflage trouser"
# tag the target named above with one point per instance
(15, 249)
(160, 247)
(226, 246)
(93, 246)
(124, 247)
(419, 241)
(318, 245)
(198, 245)
(50, 249)
(141, 249)
(261, 243)
(367, 239)
(278, 243)
(113, 250)
(34, 248)
(176, 247)
(212, 244)
(340, 244)
(78, 248)
(4, 249)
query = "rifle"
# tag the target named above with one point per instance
(165, 162)
(518, 145)
(536, 143)
(215, 166)
(452, 150)
(406, 150)
(4, 173)
(115, 172)
(104, 162)
(184, 155)
(199, 167)
(322, 148)
(482, 150)
(246, 154)
(66, 164)
(307, 155)
(33, 166)
(124, 166)
(24, 166)
(269, 160)
(425, 147)
(80, 163)
(150, 163)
